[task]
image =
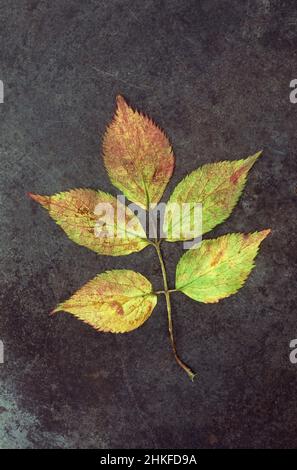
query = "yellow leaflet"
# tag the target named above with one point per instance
(116, 231)
(117, 301)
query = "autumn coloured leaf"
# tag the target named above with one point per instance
(218, 268)
(116, 301)
(139, 160)
(216, 186)
(137, 155)
(96, 220)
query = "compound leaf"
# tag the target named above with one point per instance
(96, 220)
(137, 156)
(216, 186)
(116, 301)
(219, 267)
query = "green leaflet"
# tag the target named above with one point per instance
(217, 186)
(79, 214)
(218, 268)
(117, 301)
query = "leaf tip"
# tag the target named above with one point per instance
(43, 200)
(258, 154)
(59, 308)
(254, 158)
(265, 233)
(120, 101)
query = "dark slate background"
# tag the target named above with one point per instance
(215, 75)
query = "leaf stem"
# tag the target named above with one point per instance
(166, 292)
(157, 292)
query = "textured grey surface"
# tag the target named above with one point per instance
(215, 75)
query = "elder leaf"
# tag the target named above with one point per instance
(219, 267)
(216, 186)
(116, 301)
(81, 214)
(137, 155)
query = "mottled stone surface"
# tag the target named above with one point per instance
(215, 75)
